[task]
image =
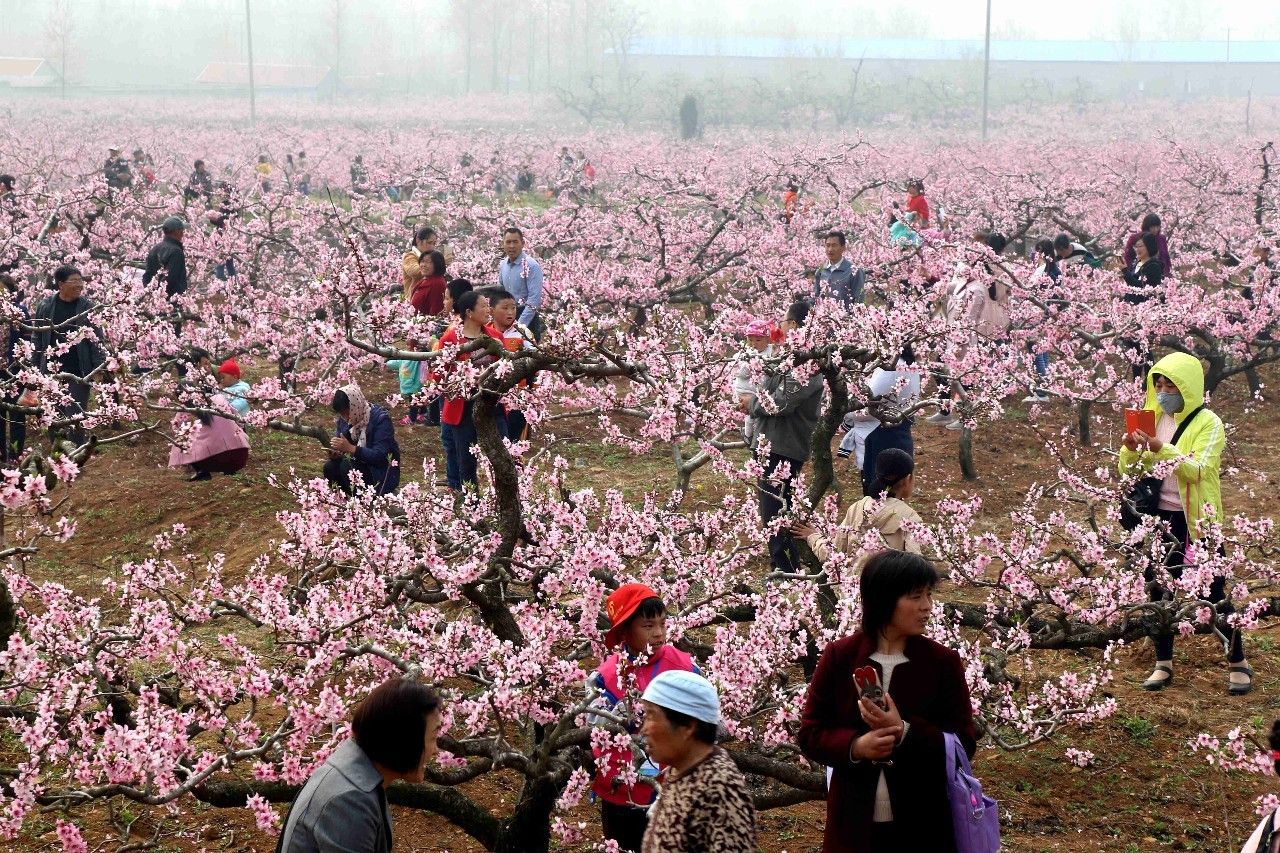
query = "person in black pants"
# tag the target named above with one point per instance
(13, 425)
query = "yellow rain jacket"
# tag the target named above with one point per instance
(1199, 448)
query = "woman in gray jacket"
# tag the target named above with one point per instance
(343, 806)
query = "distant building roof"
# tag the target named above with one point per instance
(267, 76)
(943, 49)
(26, 71)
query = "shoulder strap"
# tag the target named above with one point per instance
(1186, 422)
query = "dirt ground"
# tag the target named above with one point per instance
(1146, 791)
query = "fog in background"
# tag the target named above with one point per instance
(626, 61)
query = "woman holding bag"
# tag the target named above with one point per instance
(888, 789)
(1192, 435)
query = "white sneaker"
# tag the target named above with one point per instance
(939, 418)
(1036, 397)
(957, 424)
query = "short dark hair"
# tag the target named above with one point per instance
(511, 229)
(1151, 220)
(196, 354)
(651, 608)
(702, 730)
(839, 235)
(1062, 241)
(892, 466)
(340, 401)
(1044, 246)
(497, 294)
(437, 263)
(457, 287)
(887, 576)
(426, 232)
(390, 723)
(64, 272)
(198, 164)
(1151, 243)
(466, 302)
(8, 282)
(798, 312)
(7, 180)
(996, 241)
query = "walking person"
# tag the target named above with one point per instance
(1193, 436)
(364, 442)
(56, 319)
(705, 805)
(343, 806)
(892, 487)
(521, 276)
(787, 422)
(169, 258)
(886, 792)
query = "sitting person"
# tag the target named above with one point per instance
(219, 444)
(234, 390)
(893, 484)
(364, 441)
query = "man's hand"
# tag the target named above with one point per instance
(340, 445)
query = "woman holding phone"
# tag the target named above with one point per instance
(1193, 436)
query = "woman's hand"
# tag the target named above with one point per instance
(875, 745)
(802, 529)
(744, 402)
(1154, 444)
(879, 718)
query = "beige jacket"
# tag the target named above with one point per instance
(410, 270)
(888, 521)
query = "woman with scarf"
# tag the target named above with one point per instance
(364, 442)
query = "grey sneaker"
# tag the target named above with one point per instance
(939, 418)
(957, 424)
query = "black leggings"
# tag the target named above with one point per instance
(1178, 536)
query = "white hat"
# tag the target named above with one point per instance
(685, 692)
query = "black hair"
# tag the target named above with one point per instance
(390, 724)
(437, 263)
(426, 232)
(341, 402)
(839, 235)
(893, 465)
(1274, 741)
(466, 302)
(8, 282)
(198, 353)
(457, 287)
(887, 576)
(7, 180)
(1062, 241)
(64, 272)
(1044, 246)
(1151, 244)
(702, 730)
(798, 312)
(197, 164)
(1151, 220)
(651, 608)
(497, 294)
(908, 355)
(996, 241)
(511, 229)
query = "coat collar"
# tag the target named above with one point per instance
(352, 762)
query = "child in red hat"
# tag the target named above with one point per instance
(638, 620)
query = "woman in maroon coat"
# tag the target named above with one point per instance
(887, 787)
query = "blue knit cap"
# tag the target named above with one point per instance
(685, 692)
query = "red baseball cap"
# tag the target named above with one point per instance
(621, 605)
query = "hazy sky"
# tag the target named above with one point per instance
(1152, 19)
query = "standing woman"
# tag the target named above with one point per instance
(13, 425)
(887, 790)
(343, 806)
(424, 243)
(427, 295)
(893, 484)
(1175, 392)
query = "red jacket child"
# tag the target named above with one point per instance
(454, 407)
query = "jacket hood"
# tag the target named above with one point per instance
(1186, 373)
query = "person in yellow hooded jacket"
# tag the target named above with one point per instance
(1189, 495)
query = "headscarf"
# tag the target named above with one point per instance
(358, 414)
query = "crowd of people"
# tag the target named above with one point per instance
(883, 735)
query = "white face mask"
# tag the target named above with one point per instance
(1170, 402)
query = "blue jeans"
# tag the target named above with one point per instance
(460, 462)
(1042, 364)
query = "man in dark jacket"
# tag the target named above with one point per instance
(56, 319)
(787, 421)
(838, 279)
(116, 170)
(167, 255)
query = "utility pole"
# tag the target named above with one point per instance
(986, 72)
(248, 31)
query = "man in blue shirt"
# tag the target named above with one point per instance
(838, 279)
(521, 276)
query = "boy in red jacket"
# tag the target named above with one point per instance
(639, 627)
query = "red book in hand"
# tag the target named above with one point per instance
(1139, 419)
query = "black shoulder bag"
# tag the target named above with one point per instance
(1144, 497)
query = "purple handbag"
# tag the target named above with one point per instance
(975, 816)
